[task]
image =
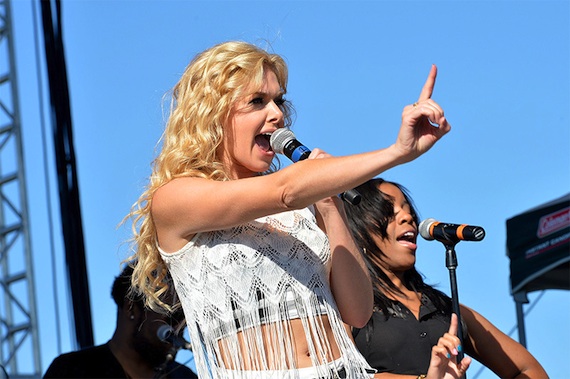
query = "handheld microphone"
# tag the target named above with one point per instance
(283, 141)
(431, 229)
(165, 333)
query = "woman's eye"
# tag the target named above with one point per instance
(260, 101)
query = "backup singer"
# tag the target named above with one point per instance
(409, 315)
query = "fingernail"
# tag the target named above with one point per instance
(459, 348)
(454, 351)
(448, 355)
(434, 124)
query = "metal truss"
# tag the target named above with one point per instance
(19, 341)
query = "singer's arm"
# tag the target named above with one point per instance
(497, 351)
(349, 277)
(187, 205)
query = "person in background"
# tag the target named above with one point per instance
(135, 349)
(262, 260)
(409, 315)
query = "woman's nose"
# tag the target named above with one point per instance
(275, 114)
(405, 217)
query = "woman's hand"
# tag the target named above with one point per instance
(443, 363)
(423, 123)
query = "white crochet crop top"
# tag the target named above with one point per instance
(265, 272)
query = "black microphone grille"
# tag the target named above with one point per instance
(478, 233)
(279, 139)
(424, 228)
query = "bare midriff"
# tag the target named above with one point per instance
(301, 353)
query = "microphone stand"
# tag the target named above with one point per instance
(160, 371)
(451, 264)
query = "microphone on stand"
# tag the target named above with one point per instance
(431, 229)
(165, 333)
(450, 235)
(283, 141)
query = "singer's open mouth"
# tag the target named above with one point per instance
(407, 236)
(262, 140)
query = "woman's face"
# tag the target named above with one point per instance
(399, 247)
(246, 149)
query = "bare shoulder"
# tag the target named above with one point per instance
(174, 207)
(174, 194)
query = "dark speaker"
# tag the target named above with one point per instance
(538, 246)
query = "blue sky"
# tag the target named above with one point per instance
(504, 82)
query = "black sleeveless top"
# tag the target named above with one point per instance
(399, 343)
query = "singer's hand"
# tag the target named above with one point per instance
(443, 363)
(423, 123)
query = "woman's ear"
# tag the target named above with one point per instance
(132, 309)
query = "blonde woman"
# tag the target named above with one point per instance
(262, 259)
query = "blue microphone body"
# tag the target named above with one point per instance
(296, 151)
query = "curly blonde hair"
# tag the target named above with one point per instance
(200, 106)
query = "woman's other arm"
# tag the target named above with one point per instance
(497, 351)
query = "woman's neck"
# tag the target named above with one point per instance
(405, 291)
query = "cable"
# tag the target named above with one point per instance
(46, 175)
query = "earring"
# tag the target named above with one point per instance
(132, 316)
